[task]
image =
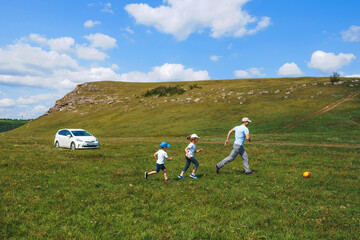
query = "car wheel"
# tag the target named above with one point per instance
(72, 146)
(57, 144)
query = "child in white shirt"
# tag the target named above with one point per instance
(190, 150)
(160, 160)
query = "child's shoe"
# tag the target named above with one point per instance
(146, 175)
(193, 176)
(181, 177)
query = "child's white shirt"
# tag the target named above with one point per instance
(191, 149)
(161, 156)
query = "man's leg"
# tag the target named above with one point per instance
(230, 158)
(245, 159)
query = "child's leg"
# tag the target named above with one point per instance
(153, 172)
(196, 165)
(186, 166)
(158, 167)
(165, 174)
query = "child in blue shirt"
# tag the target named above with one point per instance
(160, 160)
(189, 156)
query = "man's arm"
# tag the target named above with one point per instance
(248, 137)
(228, 136)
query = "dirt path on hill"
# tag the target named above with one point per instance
(319, 112)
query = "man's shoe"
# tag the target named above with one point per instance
(146, 175)
(217, 169)
(251, 173)
(181, 177)
(193, 176)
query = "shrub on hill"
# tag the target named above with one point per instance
(335, 77)
(164, 91)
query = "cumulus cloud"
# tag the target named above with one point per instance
(249, 73)
(352, 34)
(90, 53)
(182, 18)
(165, 73)
(37, 98)
(329, 62)
(107, 8)
(353, 76)
(62, 44)
(99, 40)
(290, 69)
(23, 59)
(7, 102)
(215, 58)
(91, 23)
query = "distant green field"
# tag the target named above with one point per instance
(299, 124)
(9, 124)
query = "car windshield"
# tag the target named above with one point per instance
(80, 133)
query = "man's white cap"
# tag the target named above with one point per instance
(245, 119)
(194, 136)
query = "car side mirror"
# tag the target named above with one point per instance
(69, 136)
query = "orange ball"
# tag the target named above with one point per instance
(306, 175)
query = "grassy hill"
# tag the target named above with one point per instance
(9, 124)
(209, 108)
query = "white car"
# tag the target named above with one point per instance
(75, 139)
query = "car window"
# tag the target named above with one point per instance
(81, 133)
(62, 132)
(67, 133)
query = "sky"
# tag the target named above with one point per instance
(48, 47)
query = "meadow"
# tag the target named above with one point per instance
(102, 194)
(301, 124)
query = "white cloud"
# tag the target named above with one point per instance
(90, 53)
(329, 62)
(129, 30)
(37, 98)
(352, 34)
(23, 59)
(62, 44)
(182, 18)
(7, 102)
(249, 73)
(166, 73)
(290, 69)
(107, 8)
(91, 23)
(215, 58)
(115, 67)
(34, 112)
(101, 40)
(353, 76)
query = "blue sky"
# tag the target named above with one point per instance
(48, 47)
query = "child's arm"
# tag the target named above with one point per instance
(200, 150)
(169, 159)
(187, 153)
(155, 157)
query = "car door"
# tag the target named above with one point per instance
(61, 138)
(67, 139)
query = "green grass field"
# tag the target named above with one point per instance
(50, 193)
(102, 194)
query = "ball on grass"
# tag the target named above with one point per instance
(306, 175)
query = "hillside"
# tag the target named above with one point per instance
(209, 108)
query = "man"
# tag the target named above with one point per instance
(241, 132)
